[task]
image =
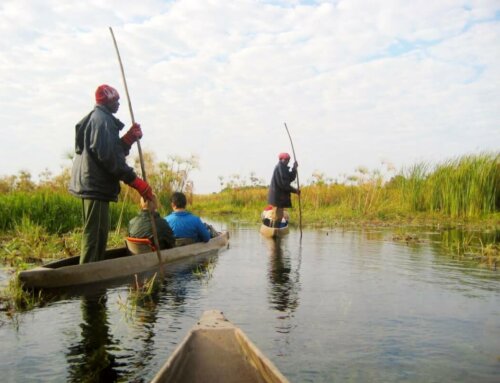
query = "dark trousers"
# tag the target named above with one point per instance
(277, 215)
(95, 230)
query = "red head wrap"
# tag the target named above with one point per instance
(106, 95)
(284, 156)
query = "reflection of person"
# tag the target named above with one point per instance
(267, 217)
(283, 294)
(140, 225)
(90, 360)
(99, 166)
(280, 190)
(184, 224)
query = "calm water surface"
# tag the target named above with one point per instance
(339, 306)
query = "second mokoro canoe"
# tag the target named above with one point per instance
(274, 232)
(118, 263)
(217, 351)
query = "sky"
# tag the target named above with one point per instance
(358, 82)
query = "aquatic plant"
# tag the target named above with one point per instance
(14, 298)
(204, 271)
(141, 293)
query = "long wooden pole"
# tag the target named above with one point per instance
(141, 159)
(298, 183)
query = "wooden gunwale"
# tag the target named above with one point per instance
(118, 263)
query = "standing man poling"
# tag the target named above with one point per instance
(99, 166)
(280, 190)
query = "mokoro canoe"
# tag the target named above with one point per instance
(216, 351)
(273, 232)
(118, 263)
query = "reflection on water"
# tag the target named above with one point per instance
(284, 282)
(90, 359)
(99, 357)
(340, 305)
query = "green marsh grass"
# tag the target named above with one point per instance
(141, 294)
(205, 270)
(15, 299)
(462, 189)
(57, 212)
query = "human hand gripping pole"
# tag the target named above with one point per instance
(143, 188)
(133, 134)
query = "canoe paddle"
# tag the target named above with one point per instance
(141, 159)
(298, 183)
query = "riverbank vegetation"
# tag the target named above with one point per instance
(40, 221)
(457, 191)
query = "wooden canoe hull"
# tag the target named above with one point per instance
(274, 232)
(217, 351)
(118, 263)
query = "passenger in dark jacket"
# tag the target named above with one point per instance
(98, 167)
(140, 226)
(279, 196)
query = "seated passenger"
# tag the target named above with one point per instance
(267, 217)
(140, 226)
(187, 227)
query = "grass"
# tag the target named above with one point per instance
(14, 299)
(461, 190)
(57, 212)
(204, 271)
(141, 294)
(30, 244)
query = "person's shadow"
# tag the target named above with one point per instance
(284, 283)
(89, 359)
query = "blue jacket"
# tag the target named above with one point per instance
(186, 225)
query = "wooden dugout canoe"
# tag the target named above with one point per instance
(274, 232)
(118, 263)
(217, 351)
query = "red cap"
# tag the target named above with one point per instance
(106, 94)
(284, 156)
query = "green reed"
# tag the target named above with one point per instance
(57, 212)
(15, 299)
(467, 187)
(140, 294)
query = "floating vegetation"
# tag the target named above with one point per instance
(14, 299)
(408, 238)
(204, 271)
(472, 247)
(140, 294)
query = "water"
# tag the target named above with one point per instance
(342, 305)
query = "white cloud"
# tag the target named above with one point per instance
(356, 81)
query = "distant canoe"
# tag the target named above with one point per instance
(118, 263)
(216, 351)
(274, 232)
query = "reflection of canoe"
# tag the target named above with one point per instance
(217, 351)
(273, 232)
(118, 263)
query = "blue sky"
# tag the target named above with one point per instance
(359, 83)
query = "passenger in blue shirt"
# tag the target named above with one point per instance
(185, 224)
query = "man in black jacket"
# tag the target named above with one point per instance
(280, 190)
(98, 167)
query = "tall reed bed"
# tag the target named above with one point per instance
(476, 181)
(461, 188)
(57, 212)
(464, 187)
